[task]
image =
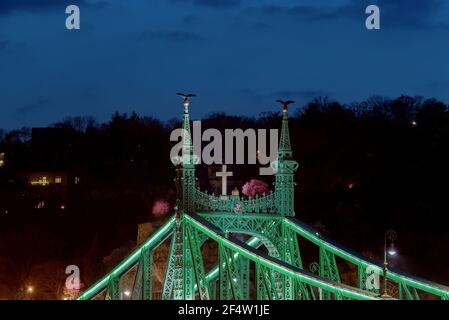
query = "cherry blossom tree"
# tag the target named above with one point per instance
(255, 187)
(160, 208)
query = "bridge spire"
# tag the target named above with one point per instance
(187, 148)
(285, 168)
(285, 148)
(185, 177)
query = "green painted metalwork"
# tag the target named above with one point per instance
(233, 270)
(366, 276)
(185, 173)
(147, 268)
(213, 289)
(410, 293)
(269, 284)
(245, 277)
(198, 264)
(274, 264)
(153, 242)
(143, 283)
(187, 291)
(115, 288)
(291, 255)
(261, 290)
(362, 262)
(225, 284)
(269, 221)
(173, 273)
(211, 203)
(138, 285)
(285, 168)
(329, 270)
(213, 276)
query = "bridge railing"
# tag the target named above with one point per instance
(404, 281)
(276, 265)
(408, 285)
(153, 241)
(237, 204)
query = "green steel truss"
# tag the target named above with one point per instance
(244, 271)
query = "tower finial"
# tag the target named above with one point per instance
(188, 158)
(285, 149)
(186, 101)
(285, 105)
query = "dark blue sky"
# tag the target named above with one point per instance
(237, 55)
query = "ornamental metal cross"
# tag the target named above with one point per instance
(224, 179)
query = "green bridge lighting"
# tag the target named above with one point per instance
(243, 271)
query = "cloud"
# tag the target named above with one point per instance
(171, 36)
(310, 12)
(298, 95)
(10, 6)
(408, 13)
(32, 107)
(437, 85)
(190, 19)
(4, 44)
(217, 4)
(398, 13)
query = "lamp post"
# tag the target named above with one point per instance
(391, 236)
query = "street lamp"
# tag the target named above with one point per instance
(390, 236)
(392, 250)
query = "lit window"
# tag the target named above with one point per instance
(43, 181)
(40, 205)
(2, 160)
(58, 180)
(77, 180)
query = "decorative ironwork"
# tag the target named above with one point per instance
(269, 221)
(211, 203)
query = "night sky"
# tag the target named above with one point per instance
(237, 55)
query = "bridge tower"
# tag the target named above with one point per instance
(179, 277)
(285, 167)
(185, 172)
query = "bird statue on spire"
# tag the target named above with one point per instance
(285, 104)
(186, 100)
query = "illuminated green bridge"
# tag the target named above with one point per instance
(267, 266)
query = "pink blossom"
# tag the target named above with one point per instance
(255, 187)
(160, 208)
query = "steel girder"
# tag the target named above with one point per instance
(268, 265)
(365, 264)
(143, 282)
(197, 259)
(151, 243)
(368, 279)
(259, 225)
(185, 270)
(179, 276)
